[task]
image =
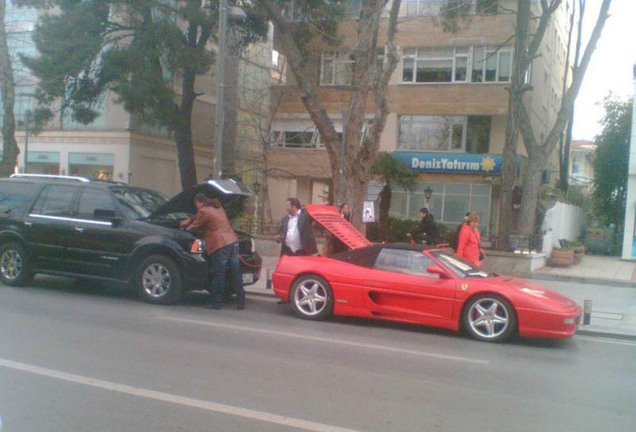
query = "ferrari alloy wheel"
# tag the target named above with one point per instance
(14, 265)
(311, 298)
(158, 280)
(490, 318)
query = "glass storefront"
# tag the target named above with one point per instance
(449, 203)
(91, 165)
(43, 162)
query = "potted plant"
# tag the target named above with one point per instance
(579, 251)
(562, 256)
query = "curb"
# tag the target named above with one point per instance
(605, 334)
(582, 280)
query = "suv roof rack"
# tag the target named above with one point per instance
(51, 177)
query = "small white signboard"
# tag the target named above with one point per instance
(368, 212)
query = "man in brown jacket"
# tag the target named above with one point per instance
(221, 246)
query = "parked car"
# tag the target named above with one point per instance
(75, 227)
(417, 284)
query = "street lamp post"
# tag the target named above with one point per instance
(27, 121)
(27, 125)
(256, 187)
(428, 193)
(237, 14)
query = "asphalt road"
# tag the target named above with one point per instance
(78, 358)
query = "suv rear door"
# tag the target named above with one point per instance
(100, 239)
(49, 226)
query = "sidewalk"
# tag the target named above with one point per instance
(608, 282)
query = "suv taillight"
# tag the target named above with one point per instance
(198, 246)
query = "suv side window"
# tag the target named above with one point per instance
(92, 199)
(55, 201)
(15, 195)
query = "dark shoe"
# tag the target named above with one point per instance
(240, 306)
(213, 307)
(281, 302)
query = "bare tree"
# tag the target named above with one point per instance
(10, 149)
(539, 150)
(350, 158)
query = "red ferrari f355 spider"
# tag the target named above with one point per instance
(417, 284)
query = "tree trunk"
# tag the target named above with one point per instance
(507, 216)
(10, 149)
(530, 195)
(183, 132)
(539, 152)
(383, 216)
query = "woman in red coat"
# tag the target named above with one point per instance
(469, 239)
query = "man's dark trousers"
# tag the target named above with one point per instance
(223, 260)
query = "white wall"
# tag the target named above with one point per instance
(629, 234)
(563, 221)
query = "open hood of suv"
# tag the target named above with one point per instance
(330, 219)
(231, 193)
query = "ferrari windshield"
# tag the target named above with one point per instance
(138, 203)
(459, 266)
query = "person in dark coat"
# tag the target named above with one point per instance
(343, 209)
(427, 231)
(221, 247)
(296, 233)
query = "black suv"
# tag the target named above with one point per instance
(72, 226)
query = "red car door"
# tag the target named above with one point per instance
(400, 288)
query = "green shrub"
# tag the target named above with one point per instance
(398, 228)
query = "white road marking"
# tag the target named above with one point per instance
(330, 341)
(175, 399)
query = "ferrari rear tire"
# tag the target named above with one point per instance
(489, 317)
(312, 298)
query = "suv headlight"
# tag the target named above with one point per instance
(198, 246)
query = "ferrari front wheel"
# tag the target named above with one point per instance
(312, 298)
(489, 317)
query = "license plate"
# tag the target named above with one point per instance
(248, 278)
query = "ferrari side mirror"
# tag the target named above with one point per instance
(438, 271)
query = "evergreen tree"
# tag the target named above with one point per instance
(148, 52)
(611, 160)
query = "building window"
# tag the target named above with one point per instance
(440, 65)
(470, 134)
(449, 203)
(435, 7)
(336, 68)
(491, 64)
(306, 139)
(421, 7)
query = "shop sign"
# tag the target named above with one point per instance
(452, 162)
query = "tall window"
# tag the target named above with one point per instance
(421, 7)
(491, 64)
(452, 64)
(336, 68)
(434, 7)
(469, 134)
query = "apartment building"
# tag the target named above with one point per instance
(448, 111)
